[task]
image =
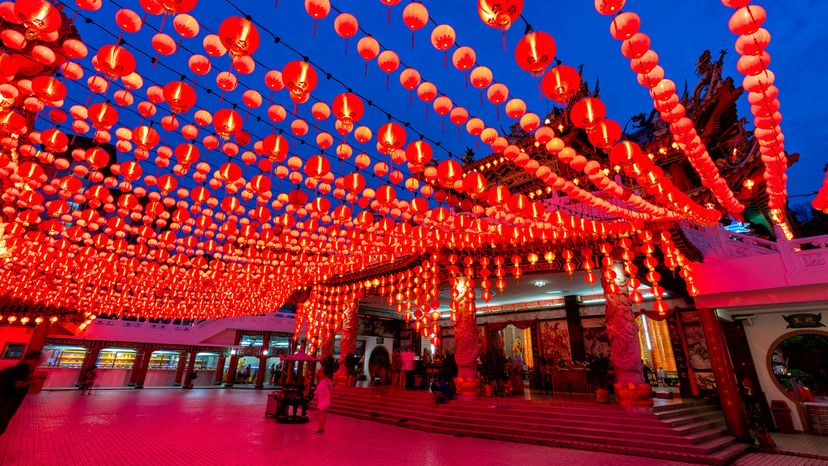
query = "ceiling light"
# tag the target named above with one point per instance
(540, 283)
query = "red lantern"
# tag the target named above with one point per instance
(346, 25)
(481, 77)
(317, 166)
(464, 58)
(443, 37)
(227, 122)
(391, 137)
(300, 79)
(239, 36)
(561, 83)
(180, 96)
(348, 109)
(415, 16)
(39, 17)
(368, 48)
(499, 14)
(388, 61)
(605, 134)
(448, 172)
(114, 61)
(418, 153)
(535, 52)
(587, 112)
(102, 116)
(275, 147)
(609, 7)
(474, 184)
(48, 89)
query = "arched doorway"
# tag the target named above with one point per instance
(379, 365)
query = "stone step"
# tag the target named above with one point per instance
(693, 418)
(700, 425)
(511, 421)
(662, 451)
(424, 398)
(629, 436)
(684, 411)
(508, 415)
(519, 409)
(687, 431)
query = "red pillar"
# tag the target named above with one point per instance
(219, 369)
(263, 361)
(91, 358)
(38, 340)
(234, 362)
(347, 345)
(144, 367)
(734, 410)
(136, 366)
(467, 346)
(179, 370)
(188, 381)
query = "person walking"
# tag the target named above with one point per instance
(323, 396)
(14, 386)
(408, 365)
(88, 381)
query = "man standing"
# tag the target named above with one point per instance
(14, 385)
(407, 359)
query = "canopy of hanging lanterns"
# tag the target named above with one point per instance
(190, 175)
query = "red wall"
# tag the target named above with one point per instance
(14, 334)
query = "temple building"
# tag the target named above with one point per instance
(204, 197)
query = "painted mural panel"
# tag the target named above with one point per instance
(555, 341)
(596, 341)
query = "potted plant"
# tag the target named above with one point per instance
(598, 374)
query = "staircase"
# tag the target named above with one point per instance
(682, 431)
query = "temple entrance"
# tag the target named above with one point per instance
(379, 366)
(657, 353)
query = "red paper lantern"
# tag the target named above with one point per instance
(180, 96)
(227, 122)
(391, 137)
(561, 83)
(587, 112)
(348, 109)
(415, 16)
(39, 17)
(300, 79)
(239, 36)
(114, 61)
(535, 52)
(499, 14)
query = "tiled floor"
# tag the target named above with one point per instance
(206, 427)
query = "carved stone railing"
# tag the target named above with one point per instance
(805, 255)
(716, 243)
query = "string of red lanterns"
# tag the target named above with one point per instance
(625, 27)
(763, 96)
(133, 246)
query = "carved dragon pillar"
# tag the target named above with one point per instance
(467, 346)
(625, 347)
(347, 345)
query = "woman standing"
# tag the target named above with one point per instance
(323, 395)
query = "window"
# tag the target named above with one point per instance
(14, 350)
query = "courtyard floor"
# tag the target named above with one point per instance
(228, 427)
